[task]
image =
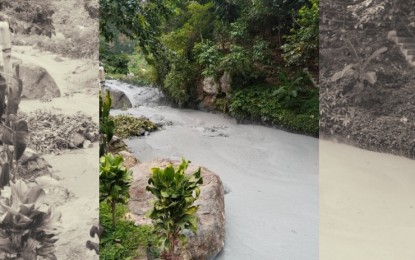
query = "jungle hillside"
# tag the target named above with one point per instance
(254, 60)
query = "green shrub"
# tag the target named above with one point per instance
(261, 51)
(127, 241)
(208, 57)
(127, 125)
(259, 103)
(106, 124)
(114, 182)
(180, 79)
(173, 210)
(301, 48)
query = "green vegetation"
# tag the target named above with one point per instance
(185, 43)
(114, 182)
(302, 42)
(255, 104)
(127, 126)
(127, 241)
(173, 210)
(106, 125)
(127, 64)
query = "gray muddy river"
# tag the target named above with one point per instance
(271, 176)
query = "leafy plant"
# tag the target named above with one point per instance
(14, 132)
(208, 56)
(335, 113)
(301, 48)
(28, 228)
(289, 89)
(359, 71)
(174, 210)
(237, 62)
(114, 182)
(261, 51)
(179, 79)
(106, 125)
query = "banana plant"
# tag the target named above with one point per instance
(174, 210)
(114, 182)
(359, 70)
(28, 227)
(14, 132)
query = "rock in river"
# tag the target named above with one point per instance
(37, 82)
(119, 99)
(210, 237)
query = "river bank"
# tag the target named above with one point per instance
(270, 175)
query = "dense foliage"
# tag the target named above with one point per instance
(302, 42)
(283, 108)
(189, 43)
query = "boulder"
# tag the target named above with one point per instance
(37, 82)
(33, 165)
(56, 194)
(210, 238)
(210, 86)
(119, 99)
(116, 144)
(77, 140)
(225, 83)
(87, 144)
(208, 103)
(129, 159)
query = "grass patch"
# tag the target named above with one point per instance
(127, 241)
(129, 126)
(297, 113)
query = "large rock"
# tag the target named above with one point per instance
(129, 159)
(37, 82)
(225, 83)
(210, 237)
(119, 99)
(210, 86)
(208, 103)
(33, 165)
